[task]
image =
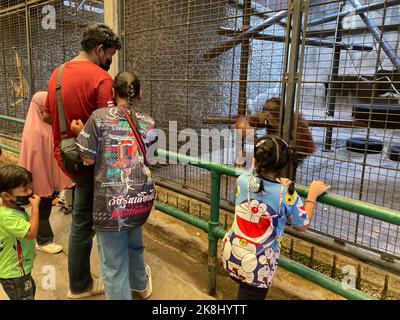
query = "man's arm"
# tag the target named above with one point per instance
(47, 117)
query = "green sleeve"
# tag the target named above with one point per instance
(15, 225)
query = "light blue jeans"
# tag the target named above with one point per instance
(122, 266)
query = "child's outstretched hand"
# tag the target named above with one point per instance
(317, 187)
(35, 201)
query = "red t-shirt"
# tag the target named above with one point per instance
(85, 87)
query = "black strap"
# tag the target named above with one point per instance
(61, 115)
(135, 131)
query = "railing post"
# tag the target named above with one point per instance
(213, 224)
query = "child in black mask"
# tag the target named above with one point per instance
(17, 231)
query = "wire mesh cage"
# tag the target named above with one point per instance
(31, 48)
(203, 64)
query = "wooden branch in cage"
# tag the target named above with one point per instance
(255, 10)
(315, 122)
(308, 41)
(229, 44)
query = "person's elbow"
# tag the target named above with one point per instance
(87, 160)
(47, 117)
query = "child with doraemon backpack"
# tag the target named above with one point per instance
(264, 202)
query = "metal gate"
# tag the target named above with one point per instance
(335, 63)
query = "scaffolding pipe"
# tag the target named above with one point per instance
(376, 32)
(360, 9)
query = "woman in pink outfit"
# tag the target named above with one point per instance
(37, 156)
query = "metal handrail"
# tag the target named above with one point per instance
(216, 232)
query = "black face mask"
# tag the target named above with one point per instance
(22, 200)
(106, 66)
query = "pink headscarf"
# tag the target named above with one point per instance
(37, 151)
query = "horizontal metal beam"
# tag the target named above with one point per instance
(360, 9)
(308, 41)
(356, 206)
(338, 201)
(349, 251)
(351, 32)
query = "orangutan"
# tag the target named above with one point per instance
(269, 118)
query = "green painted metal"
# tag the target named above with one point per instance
(12, 119)
(349, 204)
(290, 265)
(215, 231)
(9, 148)
(194, 221)
(213, 223)
(184, 159)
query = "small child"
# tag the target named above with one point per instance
(17, 232)
(251, 248)
(124, 192)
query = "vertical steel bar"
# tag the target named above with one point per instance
(292, 77)
(243, 67)
(332, 86)
(378, 55)
(378, 35)
(305, 13)
(213, 224)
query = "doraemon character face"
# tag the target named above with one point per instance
(253, 221)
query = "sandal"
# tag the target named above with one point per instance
(97, 288)
(146, 293)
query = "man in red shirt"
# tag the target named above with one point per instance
(85, 86)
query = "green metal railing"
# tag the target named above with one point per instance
(216, 232)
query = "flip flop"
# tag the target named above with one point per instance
(98, 288)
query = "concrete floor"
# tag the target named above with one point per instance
(177, 253)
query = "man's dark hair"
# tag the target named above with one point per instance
(13, 176)
(101, 34)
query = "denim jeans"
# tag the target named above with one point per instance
(122, 264)
(80, 239)
(21, 288)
